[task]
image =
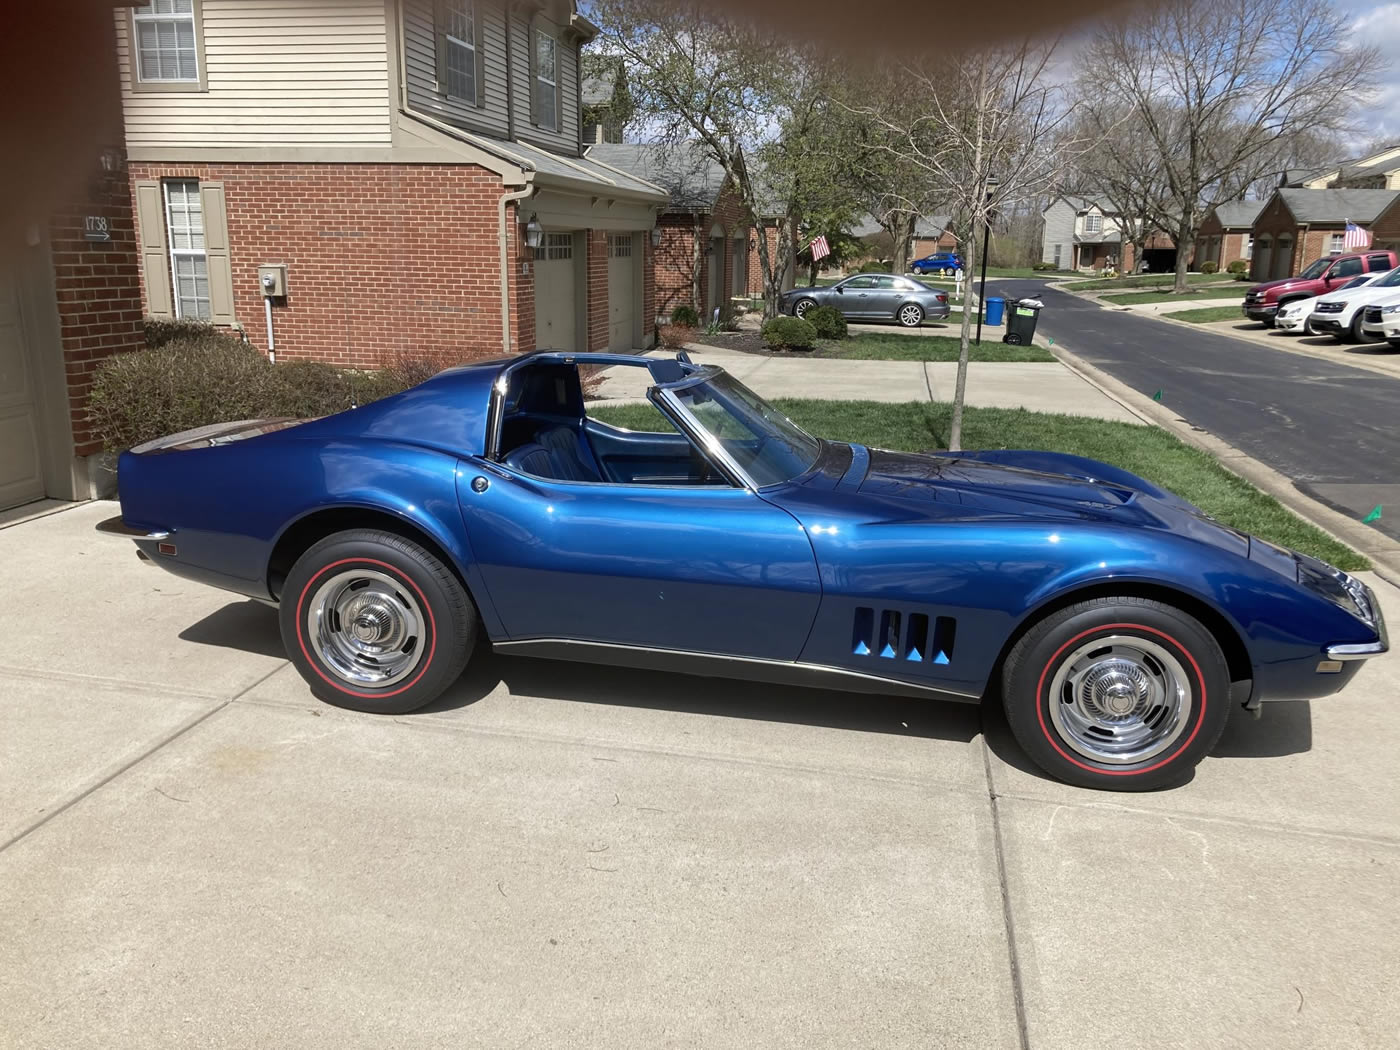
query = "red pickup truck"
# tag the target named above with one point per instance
(1262, 301)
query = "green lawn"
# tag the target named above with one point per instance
(1153, 280)
(1235, 292)
(1145, 450)
(1207, 314)
(895, 346)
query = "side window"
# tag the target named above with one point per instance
(1345, 268)
(459, 75)
(545, 89)
(860, 282)
(886, 283)
(167, 46)
(1378, 263)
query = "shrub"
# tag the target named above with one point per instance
(1209, 267)
(1238, 267)
(160, 331)
(675, 336)
(685, 316)
(827, 322)
(792, 333)
(1043, 266)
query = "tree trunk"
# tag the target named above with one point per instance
(1185, 237)
(901, 230)
(971, 263)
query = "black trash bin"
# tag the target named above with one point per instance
(1021, 317)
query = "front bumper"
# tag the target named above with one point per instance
(1364, 650)
(1260, 311)
(1327, 323)
(1383, 329)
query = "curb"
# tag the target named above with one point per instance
(1383, 551)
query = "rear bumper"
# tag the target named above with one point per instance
(115, 526)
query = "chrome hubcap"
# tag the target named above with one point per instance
(802, 309)
(910, 315)
(366, 628)
(1120, 699)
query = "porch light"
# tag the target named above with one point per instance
(534, 233)
(656, 236)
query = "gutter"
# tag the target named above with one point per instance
(503, 239)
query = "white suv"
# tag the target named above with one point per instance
(1296, 314)
(1382, 320)
(1339, 313)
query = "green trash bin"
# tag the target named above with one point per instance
(1021, 318)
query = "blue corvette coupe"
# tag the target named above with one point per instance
(1115, 622)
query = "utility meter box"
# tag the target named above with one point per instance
(273, 280)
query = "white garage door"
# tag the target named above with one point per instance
(21, 479)
(555, 311)
(622, 294)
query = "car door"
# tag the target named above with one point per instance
(699, 568)
(853, 297)
(885, 299)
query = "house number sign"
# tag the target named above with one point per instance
(95, 228)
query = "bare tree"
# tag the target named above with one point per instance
(1214, 83)
(981, 124)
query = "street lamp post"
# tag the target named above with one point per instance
(992, 183)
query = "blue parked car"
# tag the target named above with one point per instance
(944, 264)
(1116, 623)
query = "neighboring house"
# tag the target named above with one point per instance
(1375, 171)
(1297, 226)
(1226, 235)
(602, 98)
(1086, 233)
(932, 235)
(707, 251)
(391, 160)
(69, 291)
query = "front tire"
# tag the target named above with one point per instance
(376, 623)
(800, 308)
(910, 315)
(1357, 334)
(1120, 694)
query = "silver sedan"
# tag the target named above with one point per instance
(872, 297)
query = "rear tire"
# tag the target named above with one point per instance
(376, 623)
(1120, 694)
(910, 315)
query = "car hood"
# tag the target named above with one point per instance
(1364, 294)
(1055, 488)
(1283, 284)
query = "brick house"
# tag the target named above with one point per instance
(69, 293)
(1299, 225)
(708, 248)
(390, 161)
(1226, 235)
(1086, 233)
(932, 235)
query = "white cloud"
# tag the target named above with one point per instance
(1380, 26)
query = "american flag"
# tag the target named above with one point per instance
(819, 248)
(1356, 236)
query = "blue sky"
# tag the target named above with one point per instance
(1379, 24)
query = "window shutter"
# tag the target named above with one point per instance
(440, 45)
(534, 39)
(155, 256)
(216, 250)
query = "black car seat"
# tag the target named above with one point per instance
(555, 453)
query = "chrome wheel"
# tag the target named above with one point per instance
(910, 315)
(803, 305)
(366, 627)
(1120, 699)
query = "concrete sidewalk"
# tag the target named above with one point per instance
(1040, 386)
(193, 851)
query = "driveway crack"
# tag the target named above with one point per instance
(1013, 958)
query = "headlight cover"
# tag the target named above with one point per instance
(1338, 587)
(1391, 309)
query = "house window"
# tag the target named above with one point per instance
(459, 51)
(620, 246)
(1059, 249)
(547, 77)
(184, 226)
(165, 42)
(559, 246)
(1249, 247)
(1337, 245)
(1093, 223)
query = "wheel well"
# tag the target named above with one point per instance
(315, 527)
(1229, 640)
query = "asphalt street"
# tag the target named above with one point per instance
(1333, 429)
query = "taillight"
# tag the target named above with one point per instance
(942, 297)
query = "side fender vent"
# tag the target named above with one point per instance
(901, 637)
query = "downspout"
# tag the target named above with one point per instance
(508, 198)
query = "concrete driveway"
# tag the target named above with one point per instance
(195, 852)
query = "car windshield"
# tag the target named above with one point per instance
(1357, 282)
(768, 446)
(1315, 268)
(1390, 280)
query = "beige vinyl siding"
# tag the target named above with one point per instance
(420, 56)
(565, 140)
(280, 73)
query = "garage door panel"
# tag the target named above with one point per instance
(622, 296)
(21, 477)
(555, 309)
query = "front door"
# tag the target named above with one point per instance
(705, 569)
(21, 476)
